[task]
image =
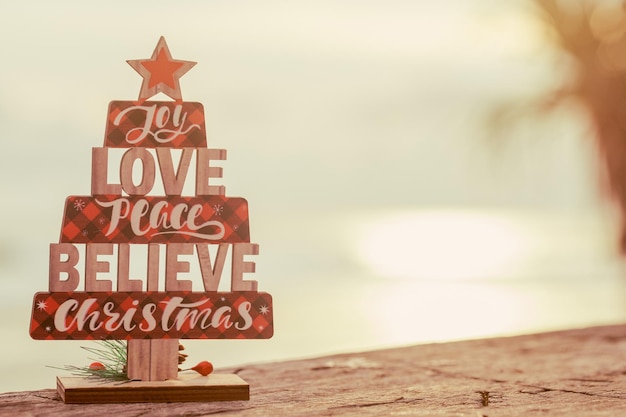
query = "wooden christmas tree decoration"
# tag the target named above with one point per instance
(120, 214)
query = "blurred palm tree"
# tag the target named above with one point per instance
(593, 34)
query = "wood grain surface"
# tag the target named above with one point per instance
(569, 373)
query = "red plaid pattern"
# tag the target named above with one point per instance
(153, 219)
(151, 315)
(89, 219)
(161, 122)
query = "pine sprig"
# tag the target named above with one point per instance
(111, 358)
(110, 362)
(113, 352)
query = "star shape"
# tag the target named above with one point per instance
(160, 73)
(41, 305)
(264, 310)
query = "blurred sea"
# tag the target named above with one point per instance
(367, 279)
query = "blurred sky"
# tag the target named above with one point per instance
(358, 102)
(323, 106)
(334, 113)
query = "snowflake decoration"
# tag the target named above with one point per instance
(48, 329)
(41, 305)
(264, 310)
(102, 220)
(218, 209)
(84, 232)
(79, 205)
(223, 299)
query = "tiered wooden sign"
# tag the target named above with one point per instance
(156, 310)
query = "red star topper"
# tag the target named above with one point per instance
(160, 73)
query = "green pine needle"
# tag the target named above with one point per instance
(112, 354)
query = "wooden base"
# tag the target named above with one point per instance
(187, 388)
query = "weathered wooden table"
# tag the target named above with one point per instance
(569, 373)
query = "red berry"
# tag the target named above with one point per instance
(97, 366)
(203, 368)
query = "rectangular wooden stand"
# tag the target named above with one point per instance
(186, 388)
